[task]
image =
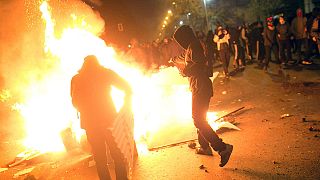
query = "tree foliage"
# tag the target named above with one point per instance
(228, 12)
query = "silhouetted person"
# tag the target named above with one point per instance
(284, 33)
(222, 37)
(90, 92)
(270, 43)
(193, 64)
(299, 30)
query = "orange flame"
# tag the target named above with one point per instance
(159, 99)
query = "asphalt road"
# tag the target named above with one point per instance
(266, 147)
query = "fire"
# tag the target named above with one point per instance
(160, 100)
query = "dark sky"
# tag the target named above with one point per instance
(141, 18)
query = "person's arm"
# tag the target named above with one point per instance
(216, 38)
(243, 34)
(122, 84)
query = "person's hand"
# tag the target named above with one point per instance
(219, 33)
(279, 35)
(314, 39)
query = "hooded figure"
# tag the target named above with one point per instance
(90, 93)
(193, 64)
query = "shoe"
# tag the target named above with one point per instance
(207, 151)
(225, 155)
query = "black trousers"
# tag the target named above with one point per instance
(299, 43)
(206, 135)
(98, 139)
(284, 45)
(225, 58)
(275, 51)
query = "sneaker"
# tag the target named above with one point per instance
(207, 151)
(225, 155)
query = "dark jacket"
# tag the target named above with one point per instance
(284, 31)
(90, 92)
(269, 36)
(298, 27)
(196, 69)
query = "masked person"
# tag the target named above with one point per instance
(270, 43)
(193, 64)
(90, 93)
(284, 34)
(222, 37)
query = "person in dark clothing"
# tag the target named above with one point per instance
(237, 47)
(284, 34)
(89, 93)
(257, 41)
(193, 65)
(315, 32)
(222, 37)
(245, 38)
(270, 43)
(299, 30)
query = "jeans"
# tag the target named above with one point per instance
(275, 50)
(98, 139)
(206, 135)
(285, 45)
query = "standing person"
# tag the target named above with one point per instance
(245, 40)
(299, 31)
(238, 48)
(165, 52)
(222, 37)
(257, 41)
(270, 43)
(193, 64)
(284, 34)
(89, 90)
(315, 31)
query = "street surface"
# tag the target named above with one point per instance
(266, 147)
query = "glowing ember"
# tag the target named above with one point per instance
(160, 100)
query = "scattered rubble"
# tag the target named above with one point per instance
(314, 129)
(23, 172)
(285, 115)
(3, 169)
(192, 145)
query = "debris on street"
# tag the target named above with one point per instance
(285, 115)
(3, 169)
(23, 172)
(314, 129)
(192, 145)
(202, 167)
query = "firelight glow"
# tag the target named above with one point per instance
(159, 99)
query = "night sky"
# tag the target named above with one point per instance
(140, 18)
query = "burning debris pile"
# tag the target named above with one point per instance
(69, 32)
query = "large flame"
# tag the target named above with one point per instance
(159, 99)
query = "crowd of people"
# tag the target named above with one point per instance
(275, 39)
